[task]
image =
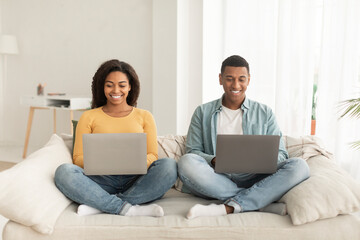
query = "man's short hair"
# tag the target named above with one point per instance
(235, 61)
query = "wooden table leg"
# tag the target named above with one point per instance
(71, 118)
(28, 130)
(54, 120)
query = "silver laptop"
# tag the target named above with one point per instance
(114, 153)
(247, 153)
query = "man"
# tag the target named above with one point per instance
(234, 113)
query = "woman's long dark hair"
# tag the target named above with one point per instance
(97, 86)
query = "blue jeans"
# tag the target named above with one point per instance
(116, 193)
(244, 192)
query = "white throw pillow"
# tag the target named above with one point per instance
(68, 140)
(28, 194)
(328, 192)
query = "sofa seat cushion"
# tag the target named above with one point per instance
(174, 225)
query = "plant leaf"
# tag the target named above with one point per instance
(352, 108)
(355, 145)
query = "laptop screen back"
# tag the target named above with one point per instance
(247, 153)
(114, 153)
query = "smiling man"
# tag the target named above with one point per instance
(234, 113)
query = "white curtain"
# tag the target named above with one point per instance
(289, 42)
(295, 65)
(339, 80)
(278, 39)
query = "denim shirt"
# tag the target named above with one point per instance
(258, 119)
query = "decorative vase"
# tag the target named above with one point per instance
(313, 127)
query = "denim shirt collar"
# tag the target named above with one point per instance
(244, 106)
(218, 106)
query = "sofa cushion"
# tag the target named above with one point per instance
(74, 123)
(172, 146)
(328, 192)
(28, 194)
(305, 147)
(174, 225)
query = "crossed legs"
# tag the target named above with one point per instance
(118, 194)
(240, 192)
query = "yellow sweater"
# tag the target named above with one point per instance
(96, 121)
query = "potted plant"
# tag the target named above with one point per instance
(313, 112)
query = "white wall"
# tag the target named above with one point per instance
(213, 45)
(164, 65)
(189, 61)
(177, 63)
(62, 43)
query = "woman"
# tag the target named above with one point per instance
(115, 90)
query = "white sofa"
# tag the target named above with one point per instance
(318, 208)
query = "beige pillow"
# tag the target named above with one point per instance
(328, 192)
(172, 146)
(28, 194)
(305, 147)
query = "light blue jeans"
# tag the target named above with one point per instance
(115, 194)
(244, 192)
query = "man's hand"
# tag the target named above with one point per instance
(213, 161)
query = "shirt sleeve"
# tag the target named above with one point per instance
(82, 127)
(194, 139)
(273, 129)
(151, 139)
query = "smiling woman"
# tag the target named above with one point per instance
(115, 89)
(115, 72)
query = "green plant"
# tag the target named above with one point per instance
(351, 108)
(314, 101)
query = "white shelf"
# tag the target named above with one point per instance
(63, 102)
